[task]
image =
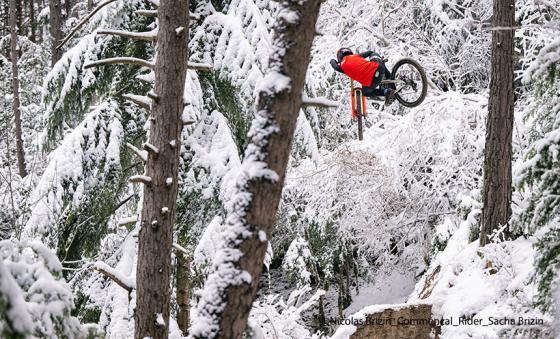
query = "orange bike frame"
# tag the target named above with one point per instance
(353, 98)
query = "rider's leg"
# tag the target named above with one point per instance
(373, 89)
(387, 73)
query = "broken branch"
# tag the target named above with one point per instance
(141, 154)
(143, 36)
(114, 278)
(141, 179)
(197, 66)
(139, 100)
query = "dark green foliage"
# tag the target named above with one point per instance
(194, 213)
(548, 265)
(544, 174)
(219, 5)
(541, 174)
(474, 232)
(541, 179)
(83, 229)
(324, 246)
(221, 95)
(87, 312)
(82, 226)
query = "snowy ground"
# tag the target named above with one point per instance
(391, 288)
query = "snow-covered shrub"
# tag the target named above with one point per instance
(272, 317)
(296, 261)
(35, 301)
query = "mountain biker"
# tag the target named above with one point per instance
(367, 68)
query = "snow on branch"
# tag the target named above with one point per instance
(141, 154)
(149, 77)
(139, 100)
(143, 36)
(120, 61)
(151, 148)
(83, 21)
(181, 249)
(152, 95)
(121, 280)
(147, 12)
(128, 221)
(318, 102)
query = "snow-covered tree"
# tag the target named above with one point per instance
(35, 301)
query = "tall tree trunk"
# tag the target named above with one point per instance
(158, 212)
(230, 291)
(32, 20)
(20, 152)
(184, 282)
(498, 150)
(55, 29)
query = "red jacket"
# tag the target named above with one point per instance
(359, 69)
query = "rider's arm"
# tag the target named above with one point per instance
(369, 54)
(336, 66)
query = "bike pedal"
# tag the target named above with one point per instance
(376, 106)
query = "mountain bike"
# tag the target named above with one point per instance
(409, 81)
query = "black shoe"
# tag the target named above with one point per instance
(389, 97)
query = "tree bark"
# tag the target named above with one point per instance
(159, 203)
(184, 287)
(230, 291)
(20, 152)
(498, 150)
(32, 23)
(55, 8)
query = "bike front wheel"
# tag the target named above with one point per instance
(412, 84)
(359, 114)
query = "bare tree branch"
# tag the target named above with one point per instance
(120, 61)
(318, 102)
(83, 21)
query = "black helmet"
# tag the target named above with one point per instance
(342, 53)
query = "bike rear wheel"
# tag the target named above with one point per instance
(413, 86)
